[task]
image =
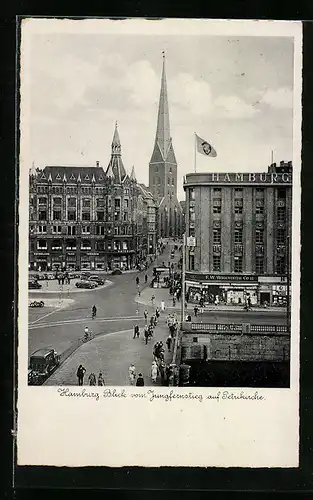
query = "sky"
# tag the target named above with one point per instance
(235, 92)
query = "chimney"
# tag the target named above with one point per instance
(97, 164)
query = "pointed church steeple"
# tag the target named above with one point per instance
(133, 175)
(163, 126)
(116, 143)
(116, 166)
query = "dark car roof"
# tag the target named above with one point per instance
(42, 353)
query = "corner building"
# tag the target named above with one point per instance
(88, 218)
(242, 228)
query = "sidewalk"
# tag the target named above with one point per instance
(163, 294)
(112, 354)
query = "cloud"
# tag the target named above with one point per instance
(190, 93)
(281, 98)
(230, 106)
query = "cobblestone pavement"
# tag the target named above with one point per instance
(112, 354)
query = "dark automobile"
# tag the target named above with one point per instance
(97, 280)
(37, 303)
(84, 275)
(42, 363)
(117, 271)
(34, 285)
(85, 284)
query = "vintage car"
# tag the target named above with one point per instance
(37, 303)
(117, 271)
(33, 285)
(86, 284)
(42, 363)
(96, 279)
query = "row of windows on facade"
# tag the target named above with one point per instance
(85, 245)
(75, 190)
(281, 192)
(281, 236)
(100, 216)
(280, 264)
(157, 181)
(238, 208)
(86, 202)
(98, 230)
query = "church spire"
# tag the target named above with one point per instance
(116, 143)
(116, 168)
(163, 127)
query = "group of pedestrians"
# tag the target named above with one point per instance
(92, 379)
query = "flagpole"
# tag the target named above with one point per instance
(195, 159)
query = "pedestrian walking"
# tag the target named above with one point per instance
(154, 372)
(136, 331)
(196, 310)
(140, 381)
(132, 374)
(169, 342)
(146, 334)
(162, 305)
(174, 302)
(92, 379)
(137, 281)
(146, 278)
(80, 374)
(162, 368)
(145, 313)
(93, 311)
(152, 299)
(100, 379)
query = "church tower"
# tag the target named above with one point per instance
(163, 170)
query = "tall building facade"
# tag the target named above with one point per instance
(241, 223)
(163, 171)
(85, 218)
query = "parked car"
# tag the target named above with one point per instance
(117, 271)
(86, 284)
(74, 276)
(42, 363)
(34, 285)
(33, 277)
(97, 280)
(37, 303)
(84, 275)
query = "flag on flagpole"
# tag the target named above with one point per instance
(204, 147)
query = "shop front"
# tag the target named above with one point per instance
(272, 291)
(222, 288)
(71, 261)
(40, 261)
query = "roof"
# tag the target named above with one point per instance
(43, 352)
(71, 174)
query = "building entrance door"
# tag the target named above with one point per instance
(265, 297)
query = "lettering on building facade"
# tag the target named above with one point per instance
(244, 178)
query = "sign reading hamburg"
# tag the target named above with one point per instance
(221, 277)
(245, 178)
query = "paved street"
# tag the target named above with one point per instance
(119, 307)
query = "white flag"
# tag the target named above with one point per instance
(205, 148)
